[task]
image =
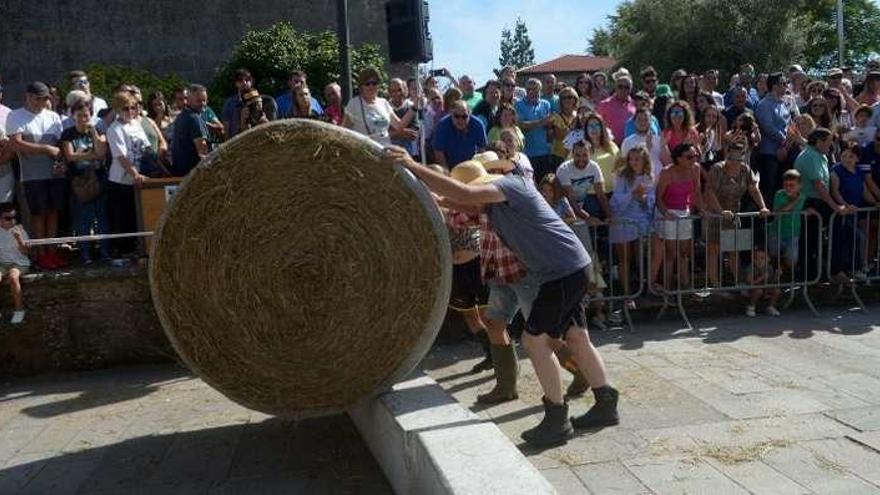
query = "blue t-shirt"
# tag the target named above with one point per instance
(630, 127)
(188, 126)
(536, 139)
(285, 105)
(553, 101)
(458, 146)
(852, 184)
(871, 160)
(530, 227)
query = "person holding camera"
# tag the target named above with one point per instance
(252, 113)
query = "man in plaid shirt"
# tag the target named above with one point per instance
(511, 289)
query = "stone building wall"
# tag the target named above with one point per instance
(44, 40)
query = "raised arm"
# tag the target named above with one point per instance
(463, 194)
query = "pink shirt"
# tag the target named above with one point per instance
(616, 113)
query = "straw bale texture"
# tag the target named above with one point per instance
(298, 271)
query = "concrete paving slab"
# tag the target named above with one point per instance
(862, 418)
(611, 478)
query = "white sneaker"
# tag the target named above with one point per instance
(750, 311)
(772, 311)
(17, 317)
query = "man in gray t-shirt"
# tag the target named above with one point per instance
(551, 250)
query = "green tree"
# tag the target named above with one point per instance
(600, 44)
(702, 34)
(861, 30)
(104, 79)
(271, 53)
(516, 46)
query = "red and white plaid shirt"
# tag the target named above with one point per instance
(498, 264)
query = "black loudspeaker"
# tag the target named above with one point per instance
(408, 36)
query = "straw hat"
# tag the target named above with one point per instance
(472, 172)
(491, 162)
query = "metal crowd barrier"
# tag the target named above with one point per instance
(612, 282)
(737, 238)
(52, 241)
(854, 249)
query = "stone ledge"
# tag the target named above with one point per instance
(427, 443)
(79, 319)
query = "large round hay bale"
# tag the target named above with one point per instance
(298, 270)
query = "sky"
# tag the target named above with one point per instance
(467, 33)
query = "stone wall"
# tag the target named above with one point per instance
(82, 319)
(44, 40)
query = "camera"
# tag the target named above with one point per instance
(436, 73)
(255, 111)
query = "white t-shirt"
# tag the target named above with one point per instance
(7, 181)
(130, 141)
(37, 128)
(371, 119)
(864, 135)
(581, 180)
(523, 162)
(655, 149)
(9, 252)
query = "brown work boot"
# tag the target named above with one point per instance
(603, 412)
(554, 429)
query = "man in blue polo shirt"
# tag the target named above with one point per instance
(534, 117)
(458, 136)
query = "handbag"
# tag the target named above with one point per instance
(86, 186)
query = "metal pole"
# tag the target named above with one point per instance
(344, 52)
(421, 116)
(840, 34)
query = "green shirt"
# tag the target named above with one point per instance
(788, 225)
(813, 166)
(473, 100)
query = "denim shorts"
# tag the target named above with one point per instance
(505, 300)
(785, 247)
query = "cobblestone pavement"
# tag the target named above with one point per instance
(773, 406)
(157, 430)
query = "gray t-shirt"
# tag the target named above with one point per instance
(534, 232)
(38, 128)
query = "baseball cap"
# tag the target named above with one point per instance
(664, 90)
(37, 88)
(796, 69)
(835, 72)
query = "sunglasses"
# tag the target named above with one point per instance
(650, 81)
(460, 116)
(7, 217)
(509, 85)
(371, 83)
(569, 97)
(676, 113)
(623, 86)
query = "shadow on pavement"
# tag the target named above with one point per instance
(95, 388)
(275, 456)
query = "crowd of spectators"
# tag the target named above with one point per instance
(621, 146)
(637, 158)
